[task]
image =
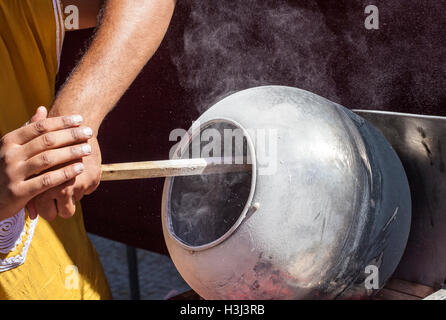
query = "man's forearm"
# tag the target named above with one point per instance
(129, 34)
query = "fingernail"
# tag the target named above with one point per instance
(87, 132)
(76, 119)
(78, 167)
(86, 149)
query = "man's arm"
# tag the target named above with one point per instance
(129, 33)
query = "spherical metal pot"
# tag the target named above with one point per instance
(324, 213)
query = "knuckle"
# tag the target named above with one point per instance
(41, 127)
(67, 122)
(45, 160)
(67, 173)
(66, 192)
(46, 180)
(75, 133)
(48, 140)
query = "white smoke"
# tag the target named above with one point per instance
(233, 45)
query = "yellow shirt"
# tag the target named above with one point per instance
(57, 259)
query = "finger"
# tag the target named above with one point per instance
(36, 129)
(52, 158)
(63, 197)
(54, 201)
(46, 207)
(66, 206)
(31, 207)
(57, 139)
(49, 180)
(41, 114)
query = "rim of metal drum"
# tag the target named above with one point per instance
(168, 187)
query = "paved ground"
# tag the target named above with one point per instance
(158, 277)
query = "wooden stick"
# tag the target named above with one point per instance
(170, 168)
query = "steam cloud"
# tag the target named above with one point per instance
(319, 46)
(233, 45)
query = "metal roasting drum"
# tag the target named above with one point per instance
(326, 198)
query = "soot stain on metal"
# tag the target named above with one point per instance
(421, 132)
(262, 268)
(428, 152)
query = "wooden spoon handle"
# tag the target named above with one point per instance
(170, 168)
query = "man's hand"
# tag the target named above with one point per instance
(62, 199)
(27, 153)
